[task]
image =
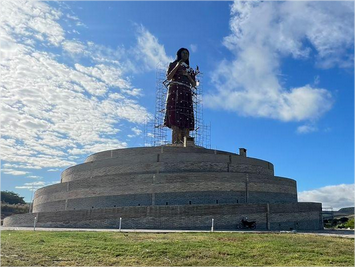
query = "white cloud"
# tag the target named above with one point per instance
(316, 80)
(31, 20)
(51, 110)
(193, 48)
(21, 166)
(137, 131)
(34, 177)
(53, 170)
(33, 186)
(149, 50)
(97, 147)
(14, 172)
(72, 17)
(335, 196)
(111, 76)
(262, 34)
(304, 129)
(133, 92)
(73, 47)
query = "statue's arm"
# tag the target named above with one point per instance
(173, 71)
(191, 79)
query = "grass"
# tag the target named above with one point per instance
(28, 248)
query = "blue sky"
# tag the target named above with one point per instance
(278, 79)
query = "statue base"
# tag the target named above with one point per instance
(189, 141)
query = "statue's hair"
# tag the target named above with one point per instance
(178, 55)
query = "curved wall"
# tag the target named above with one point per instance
(122, 153)
(138, 163)
(164, 176)
(170, 188)
(288, 216)
(165, 189)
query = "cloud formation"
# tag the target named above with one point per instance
(53, 110)
(303, 129)
(13, 172)
(149, 51)
(335, 196)
(264, 33)
(34, 185)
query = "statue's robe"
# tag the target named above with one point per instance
(179, 105)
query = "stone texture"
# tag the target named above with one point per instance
(226, 216)
(171, 188)
(260, 189)
(171, 160)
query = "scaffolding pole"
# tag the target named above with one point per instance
(156, 134)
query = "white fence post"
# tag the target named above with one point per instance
(120, 225)
(34, 224)
(212, 227)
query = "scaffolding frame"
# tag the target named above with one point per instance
(156, 134)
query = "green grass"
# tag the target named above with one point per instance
(28, 248)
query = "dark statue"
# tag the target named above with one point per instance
(179, 114)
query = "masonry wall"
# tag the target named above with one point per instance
(121, 153)
(165, 189)
(171, 188)
(267, 216)
(149, 160)
(165, 176)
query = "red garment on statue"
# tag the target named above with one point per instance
(179, 105)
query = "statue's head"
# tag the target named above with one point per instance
(184, 54)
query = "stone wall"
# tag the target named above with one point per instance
(161, 175)
(159, 189)
(171, 188)
(267, 216)
(122, 153)
(151, 161)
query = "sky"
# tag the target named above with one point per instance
(79, 77)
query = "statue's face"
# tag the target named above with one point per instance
(184, 55)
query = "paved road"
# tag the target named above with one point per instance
(336, 233)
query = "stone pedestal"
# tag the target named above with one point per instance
(170, 187)
(189, 141)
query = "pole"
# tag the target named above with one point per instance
(34, 224)
(267, 216)
(31, 203)
(120, 225)
(212, 227)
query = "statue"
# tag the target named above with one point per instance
(179, 114)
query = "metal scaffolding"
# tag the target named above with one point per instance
(156, 134)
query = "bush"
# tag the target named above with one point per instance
(15, 208)
(11, 198)
(350, 224)
(343, 219)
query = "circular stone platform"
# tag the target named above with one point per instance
(170, 187)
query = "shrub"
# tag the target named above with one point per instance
(11, 198)
(350, 223)
(343, 219)
(14, 208)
